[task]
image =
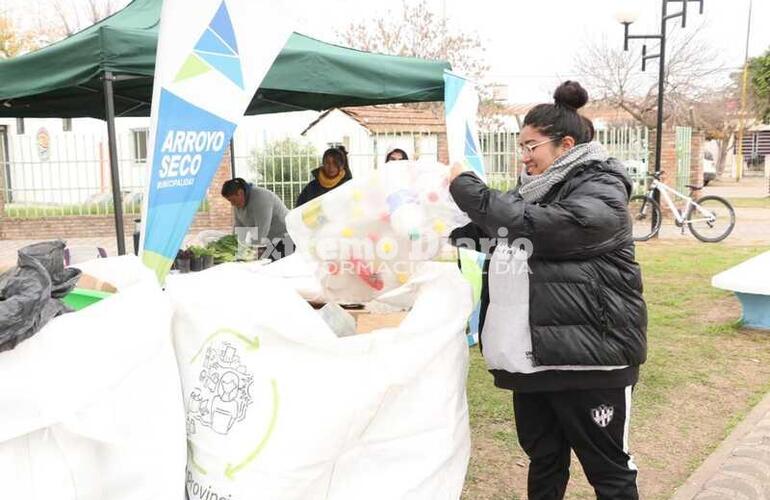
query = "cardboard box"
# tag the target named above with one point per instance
(367, 322)
(89, 282)
(85, 281)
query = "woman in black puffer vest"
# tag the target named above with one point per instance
(563, 321)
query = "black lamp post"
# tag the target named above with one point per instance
(627, 15)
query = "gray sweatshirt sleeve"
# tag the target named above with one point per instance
(240, 217)
(260, 210)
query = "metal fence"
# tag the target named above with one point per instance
(73, 176)
(70, 175)
(285, 166)
(683, 158)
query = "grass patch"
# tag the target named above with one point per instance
(37, 211)
(751, 202)
(31, 211)
(703, 375)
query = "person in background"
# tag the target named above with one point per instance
(333, 172)
(258, 207)
(396, 154)
(563, 320)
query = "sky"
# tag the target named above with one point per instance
(531, 45)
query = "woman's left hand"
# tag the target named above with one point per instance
(457, 169)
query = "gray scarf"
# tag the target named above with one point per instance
(534, 187)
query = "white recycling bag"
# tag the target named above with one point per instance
(367, 234)
(91, 406)
(279, 407)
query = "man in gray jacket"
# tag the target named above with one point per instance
(258, 207)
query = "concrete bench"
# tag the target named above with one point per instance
(750, 280)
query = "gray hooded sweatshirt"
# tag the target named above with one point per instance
(264, 210)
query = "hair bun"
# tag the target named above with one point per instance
(570, 94)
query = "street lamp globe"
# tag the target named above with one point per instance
(627, 11)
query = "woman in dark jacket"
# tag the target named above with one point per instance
(563, 321)
(333, 172)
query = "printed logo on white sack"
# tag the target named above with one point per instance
(233, 402)
(602, 415)
(222, 397)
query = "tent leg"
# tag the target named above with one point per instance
(232, 157)
(117, 199)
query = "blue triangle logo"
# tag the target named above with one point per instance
(230, 66)
(472, 152)
(218, 48)
(210, 42)
(222, 26)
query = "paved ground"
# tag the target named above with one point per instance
(8, 248)
(749, 187)
(740, 467)
(752, 225)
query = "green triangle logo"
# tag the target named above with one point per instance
(192, 67)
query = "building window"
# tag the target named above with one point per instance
(140, 144)
(20, 126)
(66, 124)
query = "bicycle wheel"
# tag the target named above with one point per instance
(641, 211)
(713, 221)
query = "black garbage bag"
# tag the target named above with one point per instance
(30, 292)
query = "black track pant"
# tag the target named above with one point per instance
(594, 423)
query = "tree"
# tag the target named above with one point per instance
(717, 117)
(284, 166)
(418, 32)
(13, 42)
(759, 79)
(695, 94)
(67, 17)
(613, 75)
(73, 16)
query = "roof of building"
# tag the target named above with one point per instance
(596, 111)
(390, 119)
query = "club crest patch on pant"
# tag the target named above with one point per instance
(602, 415)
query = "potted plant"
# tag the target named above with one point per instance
(197, 259)
(182, 261)
(208, 258)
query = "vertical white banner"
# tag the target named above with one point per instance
(461, 105)
(212, 56)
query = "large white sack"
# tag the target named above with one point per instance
(91, 406)
(121, 271)
(279, 408)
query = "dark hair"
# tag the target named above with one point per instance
(232, 186)
(561, 119)
(339, 154)
(396, 150)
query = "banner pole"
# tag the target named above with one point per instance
(232, 157)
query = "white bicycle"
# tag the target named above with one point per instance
(710, 219)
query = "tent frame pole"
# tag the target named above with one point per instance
(232, 157)
(117, 199)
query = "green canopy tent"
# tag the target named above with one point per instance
(107, 70)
